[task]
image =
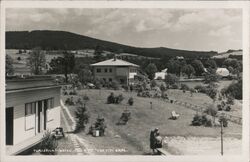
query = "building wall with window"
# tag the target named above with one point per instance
(111, 73)
(30, 105)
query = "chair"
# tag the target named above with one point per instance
(174, 115)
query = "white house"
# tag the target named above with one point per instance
(115, 69)
(222, 72)
(161, 75)
(32, 107)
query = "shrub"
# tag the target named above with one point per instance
(73, 92)
(174, 86)
(153, 83)
(211, 110)
(111, 98)
(82, 117)
(224, 121)
(234, 90)
(219, 106)
(230, 100)
(115, 85)
(49, 143)
(200, 88)
(131, 101)
(119, 99)
(171, 79)
(208, 123)
(197, 120)
(184, 87)
(228, 108)
(69, 101)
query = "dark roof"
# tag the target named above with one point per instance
(28, 83)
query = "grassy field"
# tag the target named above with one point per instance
(134, 136)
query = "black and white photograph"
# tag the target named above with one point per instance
(160, 81)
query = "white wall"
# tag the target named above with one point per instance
(54, 119)
(20, 134)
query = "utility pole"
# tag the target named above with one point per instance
(221, 126)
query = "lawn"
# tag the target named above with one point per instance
(135, 135)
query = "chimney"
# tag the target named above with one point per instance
(114, 57)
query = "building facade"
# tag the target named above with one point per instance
(115, 70)
(32, 107)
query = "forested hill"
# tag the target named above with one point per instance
(56, 40)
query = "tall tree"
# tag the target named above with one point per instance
(171, 79)
(9, 69)
(151, 69)
(188, 69)
(198, 67)
(174, 66)
(36, 61)
(210, 64)
(63, 65)
(85, 75)
(98, 53)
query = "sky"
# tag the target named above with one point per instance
(187, 29)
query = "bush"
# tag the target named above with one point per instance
(199, 120)
(200, 88)
(219, 106)
(49, 143)
(230, 100)
(228, 108)
(174, 86)
(224, 121)
(73, 92)
(171, 79)
(153, 83)
(184, 87)
(131, 101)
(211, 111)
(115, 85)
(69, 101)
(82, 117)
(234, 90)
(119, 99)
(111, 98)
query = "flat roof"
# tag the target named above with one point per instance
(29, 83)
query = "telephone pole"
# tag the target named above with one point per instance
(221, 123)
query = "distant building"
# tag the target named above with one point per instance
(115, 70)
(161, 75)
(32, 106)
(222, 72)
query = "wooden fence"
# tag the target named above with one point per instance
(201, 109)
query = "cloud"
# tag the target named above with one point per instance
(224, 31)
(215, 18)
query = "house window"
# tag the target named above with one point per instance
(110, 70)
(110, 79)
(98, 70)
(132, 70)
(50, 103)
(105, 70)
(30, 108)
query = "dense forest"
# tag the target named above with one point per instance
(61, 40)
